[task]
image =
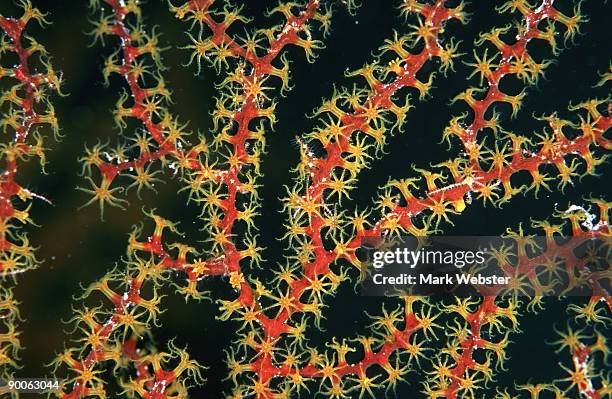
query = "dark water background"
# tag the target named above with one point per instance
(78, 248)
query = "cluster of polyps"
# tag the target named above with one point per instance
(26, 110)
(273, 357)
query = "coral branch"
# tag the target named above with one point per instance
(26, 109)
(458, 346)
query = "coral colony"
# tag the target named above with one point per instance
(451, 347)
